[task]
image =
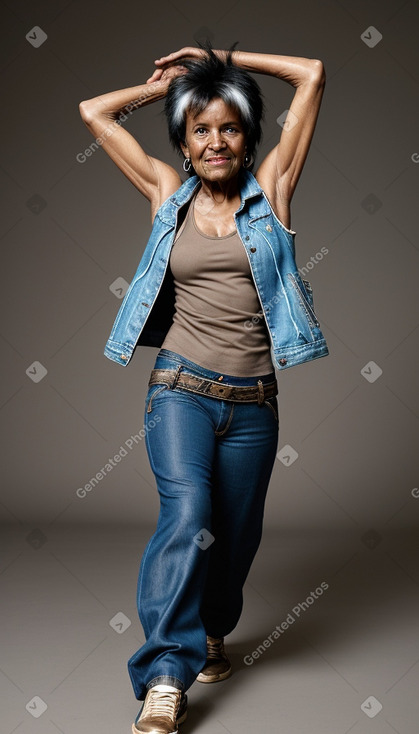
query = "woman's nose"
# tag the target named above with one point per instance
(216, 142)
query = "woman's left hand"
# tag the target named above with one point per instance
(168, 72)
(173, 59)
(188, 52)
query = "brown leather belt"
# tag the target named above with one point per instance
(213, 388)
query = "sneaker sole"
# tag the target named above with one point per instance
(202, 678)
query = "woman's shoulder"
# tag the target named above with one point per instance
(181, 195)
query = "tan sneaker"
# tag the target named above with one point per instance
(218, 666)
(161, 712)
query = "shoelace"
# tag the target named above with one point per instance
(215, 648)
(161, 703)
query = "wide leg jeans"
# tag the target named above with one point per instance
(212, 460)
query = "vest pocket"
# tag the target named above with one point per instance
(304, 298)
(309, 291)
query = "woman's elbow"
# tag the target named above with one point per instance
(318, 71)
(87, 109)
(84, 110)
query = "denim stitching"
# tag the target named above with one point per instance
(153, 395)
(230, 418)
(166, 679)
(266, 402)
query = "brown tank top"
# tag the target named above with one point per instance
(218, 322)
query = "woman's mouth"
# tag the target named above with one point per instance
(217, 161)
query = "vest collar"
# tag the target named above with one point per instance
(167, 213)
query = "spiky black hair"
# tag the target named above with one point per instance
(209, 78)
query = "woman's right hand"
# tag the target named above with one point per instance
(174, 61)
(167, 74)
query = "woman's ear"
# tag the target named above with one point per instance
(185, 150)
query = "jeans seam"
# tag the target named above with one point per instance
(153, 395)
(141, 578)
(230, 418)
(165, 677)
(266, 402)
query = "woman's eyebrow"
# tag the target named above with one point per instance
(223, 124)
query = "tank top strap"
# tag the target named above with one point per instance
(187, 217)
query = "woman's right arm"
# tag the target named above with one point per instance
(154, 178)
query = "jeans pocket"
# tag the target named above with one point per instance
(272, 404)
(152, 392)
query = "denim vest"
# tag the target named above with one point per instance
(146, 313)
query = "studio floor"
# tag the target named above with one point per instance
(345, 657)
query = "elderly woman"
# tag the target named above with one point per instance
(218, 290)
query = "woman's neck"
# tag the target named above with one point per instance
(219, 192)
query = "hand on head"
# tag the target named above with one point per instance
(167, 74)
(174, 61)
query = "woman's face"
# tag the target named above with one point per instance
(215, 141)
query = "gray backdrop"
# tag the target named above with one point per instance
(71, 229)
(72, 233)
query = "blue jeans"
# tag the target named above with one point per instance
(212, 460)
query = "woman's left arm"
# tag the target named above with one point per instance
(279, 172)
